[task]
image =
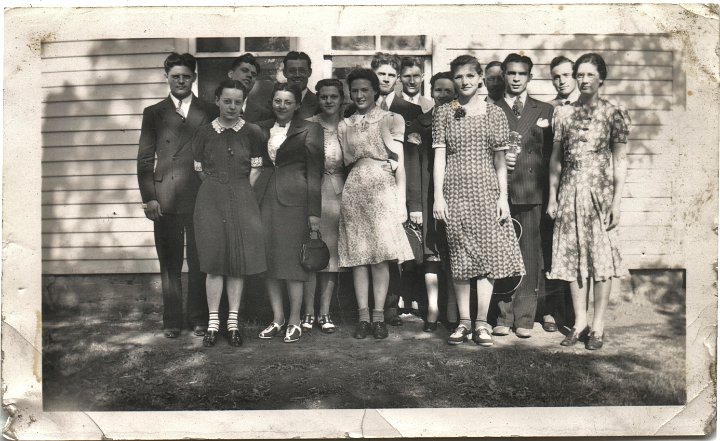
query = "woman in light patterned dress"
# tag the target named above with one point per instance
(591, 138)
(470, 179)
(330, 96)
(372, 207)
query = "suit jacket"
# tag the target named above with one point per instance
(426, 104)
(309, 106)
(257, 108)
(299, 166)
(410, 112)
(528, 183)
(165, 158)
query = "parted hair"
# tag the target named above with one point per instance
(295, 55)
(245, 58)
(175, 59)
(560, 59)
(410, 62)
(462, 60)
(287, 87)
(517, 58)
(381, 58)
(594, 59)
(330, 82)
(365, 74)
(439, 76)
(230, 84)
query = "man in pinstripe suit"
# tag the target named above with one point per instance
(527, 183)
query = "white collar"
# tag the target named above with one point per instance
(574, 95)
(185, 101)
(411, 99)
(220, 128)
(510, 99)
(388, 99)
(303, 93)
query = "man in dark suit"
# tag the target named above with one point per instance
(387, 67)
(245, 69)
(494, 82)
(168, 186)
(528, 183)
(297, 68)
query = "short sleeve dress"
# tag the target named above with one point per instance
(331, 189)
(479, 245)
(371, 215)
(228, 230)
(582, 247)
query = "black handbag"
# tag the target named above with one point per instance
(413, 232)
(314, 254)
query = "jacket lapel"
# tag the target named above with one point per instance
(511, 118)
(529, 115)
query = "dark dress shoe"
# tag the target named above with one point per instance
(235, 338)
(430, 327)
(394, 321)
(574, 336)
(210, 338)
(594, 341)
(550, 326)
(362, 330)
(199, 330)
(379, 330)
(171, 333)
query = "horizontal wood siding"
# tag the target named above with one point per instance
(94, 92)
(93, 95)
(643, 76)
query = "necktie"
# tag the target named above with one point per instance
(517, 107)
(383, 104)
(179, 110)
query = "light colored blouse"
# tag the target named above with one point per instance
(278, 135)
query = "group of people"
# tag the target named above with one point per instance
(501, 187)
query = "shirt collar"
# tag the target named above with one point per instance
(220, 128)
(511, 99)
(388, 99)
(303, 93)
(574, 95)
(411, 99)
(185, 101)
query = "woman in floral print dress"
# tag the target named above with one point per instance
(591, 137)
(470, 178)
(372, 207)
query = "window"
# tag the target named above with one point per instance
(350, 52)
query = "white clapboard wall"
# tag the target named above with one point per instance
(94, 93)
(645, 76)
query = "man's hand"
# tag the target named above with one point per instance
(153, 211)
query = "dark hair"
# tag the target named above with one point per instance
(295, 55)
(494, 63)
(245, 58)
(382, 58)
(517, 58)
(560, 59)
(462, 60)
(592, 58)
(330, 82)
(410, 62)
(365, 74)
(440, 76)
(286, 87)
(230, 84)
(175, 59)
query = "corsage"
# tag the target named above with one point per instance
(459, 110)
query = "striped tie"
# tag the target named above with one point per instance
(179, 110)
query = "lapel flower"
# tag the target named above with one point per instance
(459, 110)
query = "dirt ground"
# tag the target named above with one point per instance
(99, 362)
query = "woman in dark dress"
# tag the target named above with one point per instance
(228, 156)
(436, 258)
(290, 203)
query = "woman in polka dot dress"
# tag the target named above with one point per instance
(470, 137)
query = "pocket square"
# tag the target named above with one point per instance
(542, 122)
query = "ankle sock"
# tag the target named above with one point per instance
(364, 315)
(378, 315)
(214, 322)
(466, 322)
(232, 324)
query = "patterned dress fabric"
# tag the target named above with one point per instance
(228, 230)
(371, 213)
(582, 247)
(479, 245)
(331, 189)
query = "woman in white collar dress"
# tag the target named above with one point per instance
(372, 208)
(228, 156)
